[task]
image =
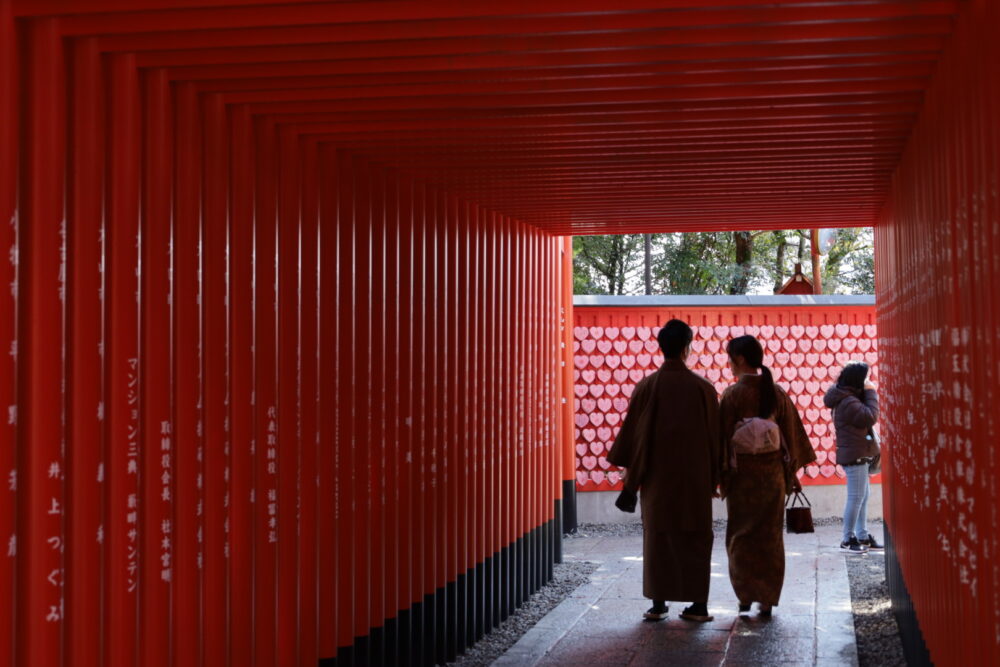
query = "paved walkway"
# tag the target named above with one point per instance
(600, 623)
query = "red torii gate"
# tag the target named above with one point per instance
(281, 375)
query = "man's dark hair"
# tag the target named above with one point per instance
(674, 337)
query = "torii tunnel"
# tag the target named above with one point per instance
(285, 293)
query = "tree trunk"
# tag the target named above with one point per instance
(744, 255)
(779, 265)
(647, 269)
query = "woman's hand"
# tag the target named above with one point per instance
(796, 486)
(869, 385)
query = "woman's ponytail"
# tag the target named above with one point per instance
(752, 352)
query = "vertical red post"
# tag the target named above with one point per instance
(40, 281)
(156, 351)
(123, 363)
(85, 366)
(215, 319)
(245, 439)
(188, 428)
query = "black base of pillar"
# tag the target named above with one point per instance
(914, 647)
(569, 521)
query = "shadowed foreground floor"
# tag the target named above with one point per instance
(601, 622)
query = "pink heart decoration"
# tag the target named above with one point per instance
(812, 387)
(604, 346)
(697, 346)
(812, 471)
(597, 476)
(773, 345)
(596, 390)
(808, 428)
(781, 358)
(805, 400)
(652, 346)
(812, 332)
(826, 359)
(611, 332)
(612, 418)
(628, 332)
(603, 374)
(842, 330)
(721, 331)
(576, 405)
(871, 330)
(580, 362)
(705, 360)
(614, 477)
(581, 449)
(842, 358)
(812, 358)
(604, 404)
(620, 404)
(635, 346)
(580, 390)
(579, 332)
(805, 372)
(797, 385)
(821, 457)
(864, 344)
(582, 478)
(827, 442)
(713, 374)
(720, 387)
(589, 434)
(643, 359)
(612, 389)
(721, 359)
(588, 405)
(833, 456)
(820, 428)
(596, 332)
(588, 346)
(812, 415)
(827, 470)
(817, 401)
(576, 346)
(826, 331)
(580, 420)
(628, 360)
(620, 375)
(781, 332)
(627, 389)
(805, 345)
(588, 376)
(850, 344)
(589, 462)
(767, 331)
(714, 346)
(603, 462)
(596, 360)
(797, 330)
(857, 330)
(737, 331)
(643, 332)
(597, 447)
(797, 358)
(621, 346)
(635, 375)
(752, 330)
(596, 418)
(871, 358)
(821, 372)
(705, 332)
(819, 344)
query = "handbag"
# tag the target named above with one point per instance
(798, 514)
(626, 501)
(875, 465)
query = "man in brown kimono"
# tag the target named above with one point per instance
(669, 444)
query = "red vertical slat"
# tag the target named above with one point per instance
(8, 326)
(266, 399)
(186, 529)
(309, 364)
(244, 436)
(423, 537)
(39, 345)
(288, 394)
(344, 436)
(123, 363)
(215, 319)
(84, 546)
(158, 442)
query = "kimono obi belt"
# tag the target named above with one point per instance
(755, 435)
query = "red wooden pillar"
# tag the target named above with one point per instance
(85, 367)
(123, 363)
(215, 318)
(187, 339)
(158, 439)
(245, 439)
(9, 131)
(40, 281)
(567, 440)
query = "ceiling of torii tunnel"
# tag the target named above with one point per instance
(577, 116)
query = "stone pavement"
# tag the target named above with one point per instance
(601, 622)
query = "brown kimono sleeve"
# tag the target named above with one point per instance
(800, 450)
(714, 439)
(727, 424)
(629, 447)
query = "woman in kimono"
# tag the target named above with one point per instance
(763, 445)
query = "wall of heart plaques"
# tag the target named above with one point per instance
(805, 348)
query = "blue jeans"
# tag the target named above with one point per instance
(856, 508)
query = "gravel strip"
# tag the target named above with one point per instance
(874, 623)
(566, 578)
(633, 528)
